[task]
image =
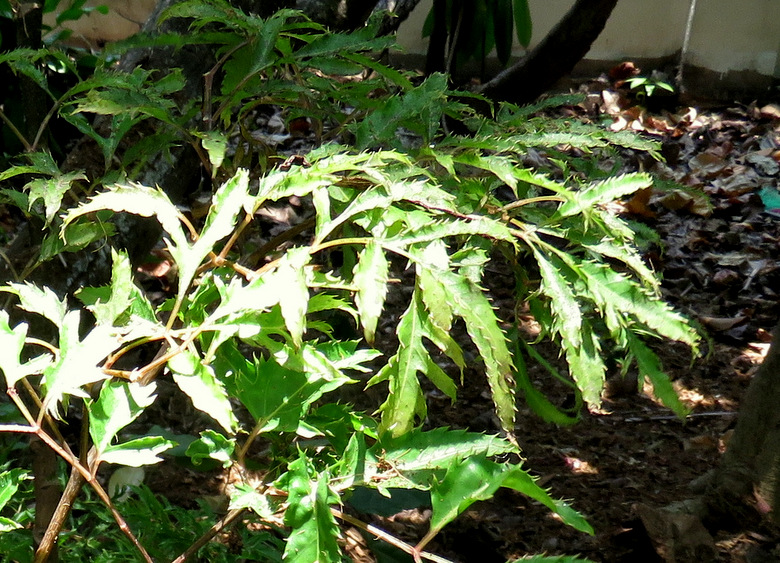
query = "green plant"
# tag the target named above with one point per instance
(645, 86)
(471, 30)
(254, 347)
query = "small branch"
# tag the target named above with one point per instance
(392, 540)
(18, 134)
(84, 471)
(72, 488)
(228, 519)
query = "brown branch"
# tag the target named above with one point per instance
(228, 519)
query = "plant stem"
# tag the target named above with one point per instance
(72, 488)
(392, 540)
(18, 134)
(228, 519)
(84, 471)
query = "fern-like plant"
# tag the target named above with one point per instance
(253, 347)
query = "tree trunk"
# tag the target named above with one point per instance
(555, 56)
(752, 460)
(741, 490)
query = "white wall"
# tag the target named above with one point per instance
(725, 34)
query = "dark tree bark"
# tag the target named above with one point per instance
(742, 490)
(554, 57)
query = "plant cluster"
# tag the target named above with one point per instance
(253, 345)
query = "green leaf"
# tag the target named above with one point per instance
(51, 191)
(314, 529)
(650, 367)
(211, 445)
(278, 397)
(290, 278)
(215, 145)
(138, 452)
(538, 402)
(201, 385)
(466, 481)
(604, 192)
(406, 400)
(78, 362)
(121, 294)
(523, 22)
(244, 496)
(42, 301)
(613, 290)
(118, 405)
(579, 343)
(415, 459)
(12, 342)
(370, 277)
(471, 304)
(139, 200)
(521, 481)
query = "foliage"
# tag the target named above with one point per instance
(474, 29)
(254, 345)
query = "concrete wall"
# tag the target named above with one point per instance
(737, 38)
(725, 34)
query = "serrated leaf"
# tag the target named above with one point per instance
(138, 452)
(580, 345)
(139, 200)
(279, 397)
(78, 361)
(465, 482)
(604, 192)
(117, 406)
(290, 279)
(314, 529)
(121, 291)
(244, 496)
(370, 277)
(521, 481)
(470, 303)
(200, 384)
(211, 445)
(630, 257)
(538, 402)
(51, 191)
(42, 301)
(405, 400)
(416, 460)
(649, 366)
(616, 291)
(12, 341)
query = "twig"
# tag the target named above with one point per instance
(75, 482)
(228, 519)
(18, 134)
(392, 540)
(34, 428)
(673, 417)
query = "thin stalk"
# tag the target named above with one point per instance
(18, 134)
(84, 471)
(226, 520)
(75, 483)
(416, 553)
